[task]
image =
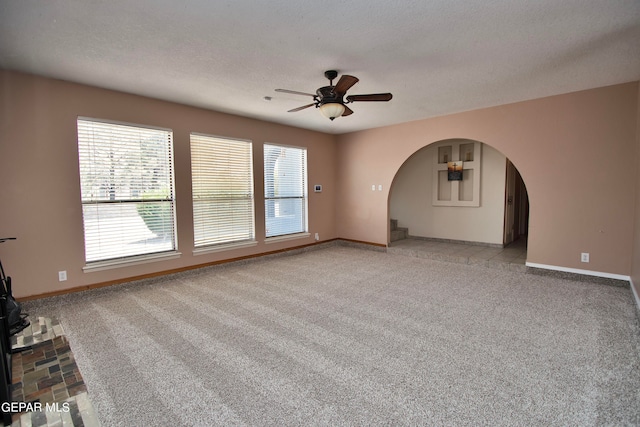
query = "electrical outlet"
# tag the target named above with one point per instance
(584, 257)
(317, 237)
(62, 276)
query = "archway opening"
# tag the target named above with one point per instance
(461, 192)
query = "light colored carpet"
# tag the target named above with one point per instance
(345, 336)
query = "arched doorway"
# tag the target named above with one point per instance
(485, 205)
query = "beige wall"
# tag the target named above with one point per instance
(635, 267)
(40, 187)
(411, 201)
(575, 153)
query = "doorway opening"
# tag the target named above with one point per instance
(516, 208)
(482, 218)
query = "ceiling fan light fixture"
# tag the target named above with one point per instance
(332, 110)
(330, 99)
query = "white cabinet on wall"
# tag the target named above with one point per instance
(465, 192)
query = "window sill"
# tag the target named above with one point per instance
(223, 247)
(126, 262)
(277, 239)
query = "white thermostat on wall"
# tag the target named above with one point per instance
(317, 188)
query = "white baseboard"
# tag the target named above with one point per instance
(579, 271)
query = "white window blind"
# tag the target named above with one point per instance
(222, 186)
(127, 186)
(285, 190)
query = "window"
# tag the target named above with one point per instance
(222, 185)
(285, 190)
(126, 177)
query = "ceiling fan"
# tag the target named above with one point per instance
(330, 99)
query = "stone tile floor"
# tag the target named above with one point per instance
(47, 372)
(44, 371)
(41, 329)
(77, 411)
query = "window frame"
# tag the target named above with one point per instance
(211, 245)
(88, 168)
(304, 196)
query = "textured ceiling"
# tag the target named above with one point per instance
(437, 57)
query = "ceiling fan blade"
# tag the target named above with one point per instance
(344, 84)
(370, 97)
(295, 92)
(301, 108)
(347, 111)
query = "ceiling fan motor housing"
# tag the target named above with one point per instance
(326, 95)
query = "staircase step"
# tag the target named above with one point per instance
(399, 234)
